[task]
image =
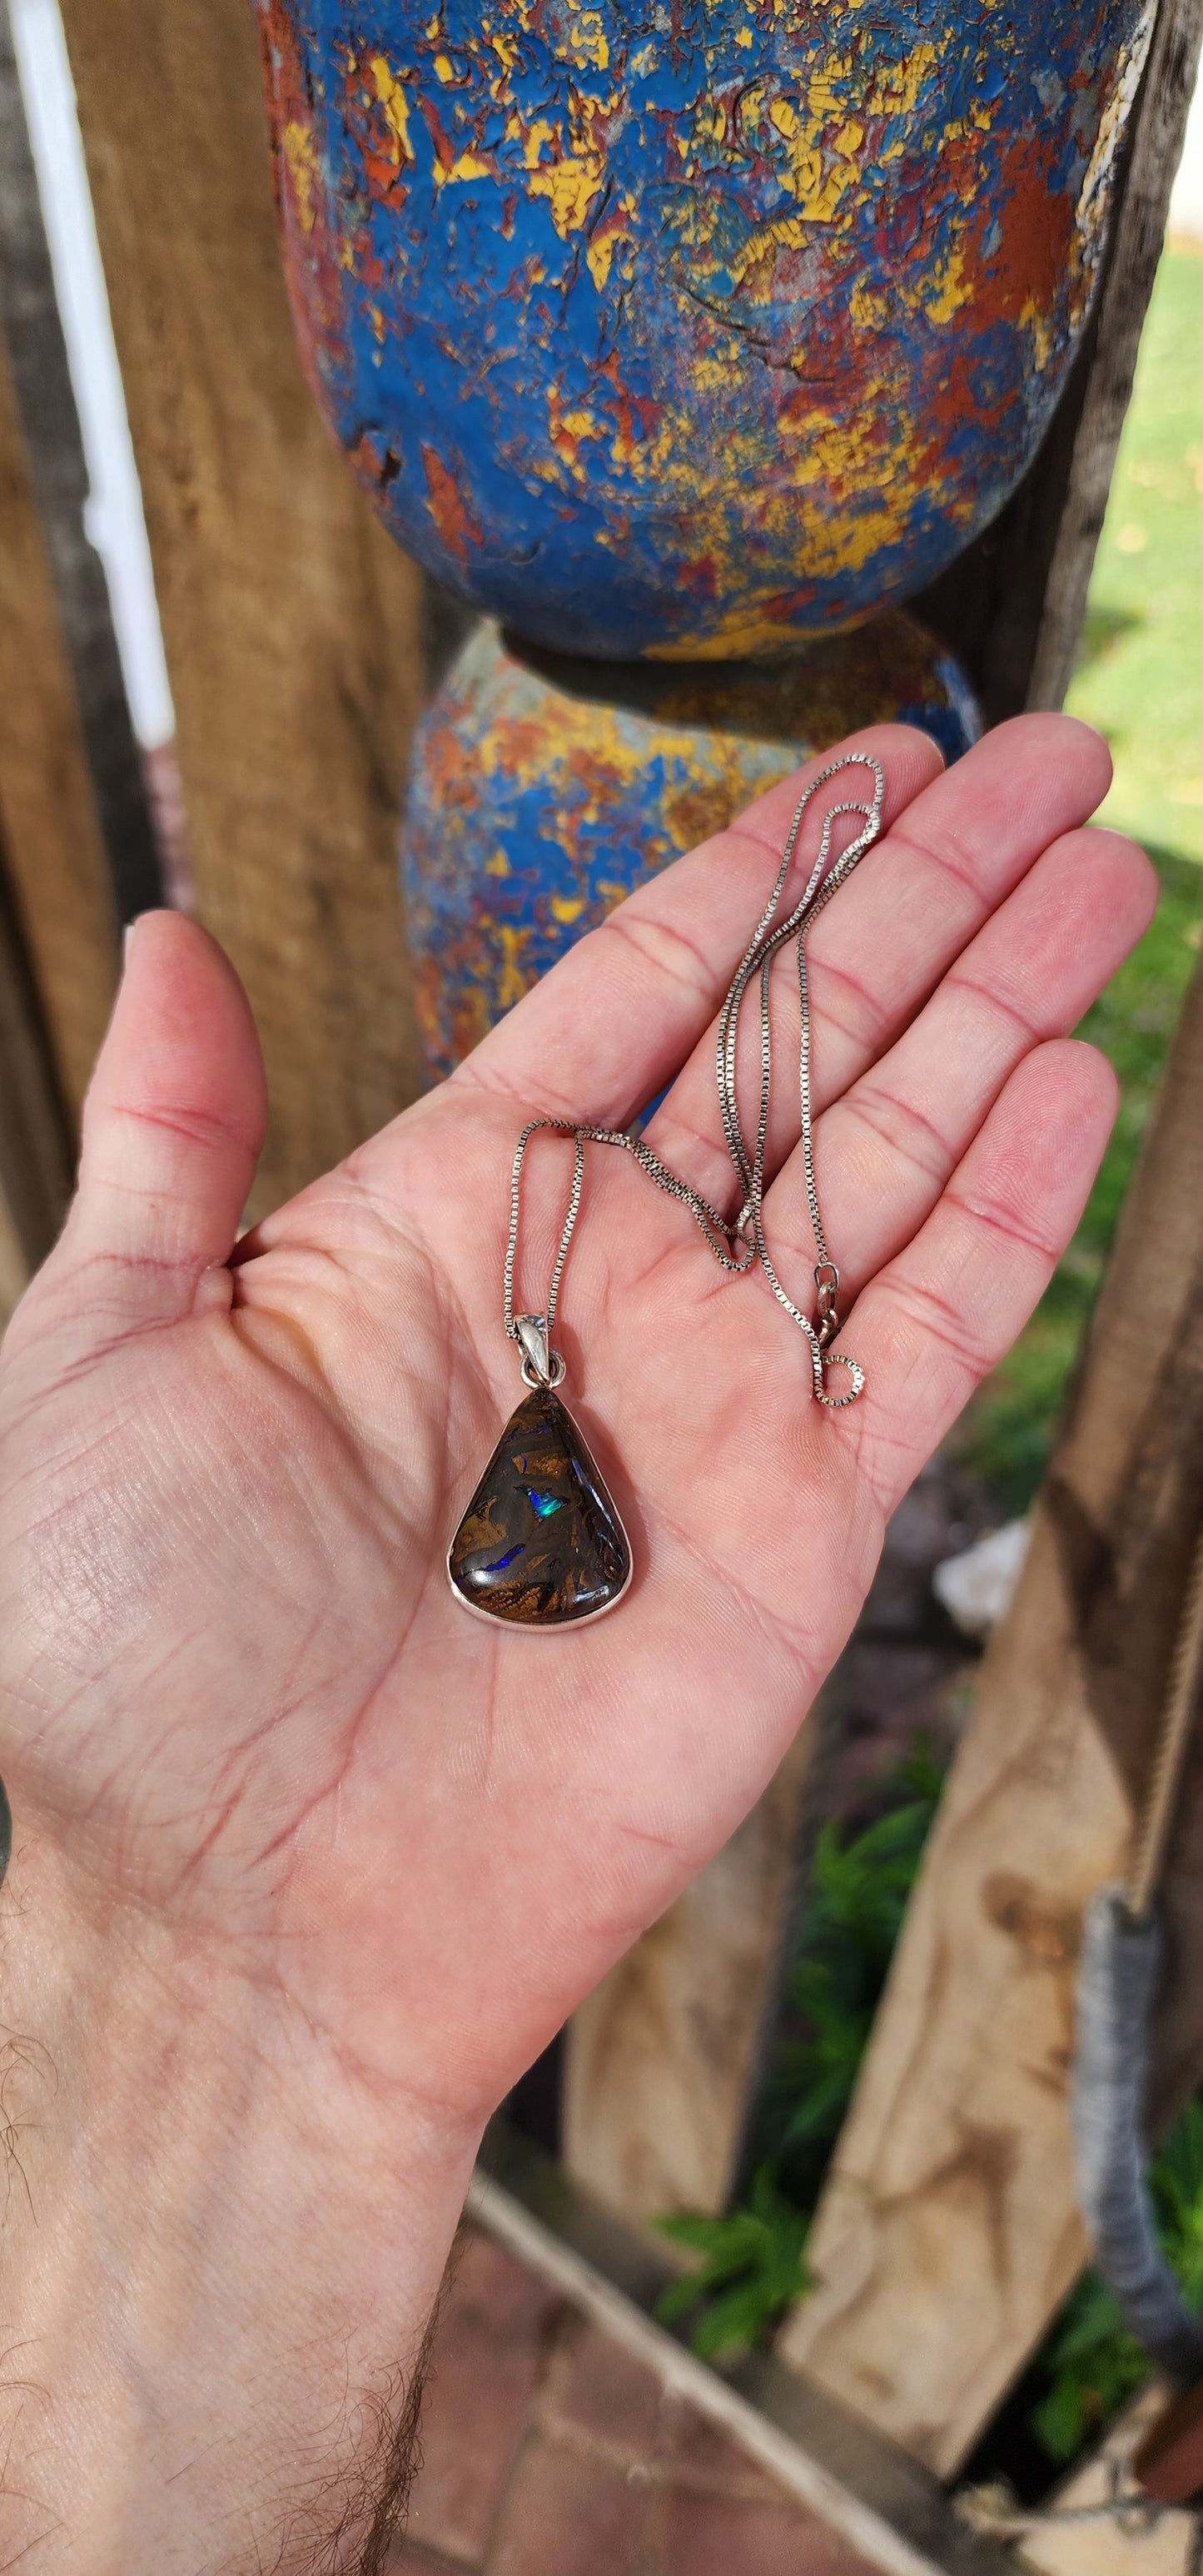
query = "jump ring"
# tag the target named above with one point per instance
(844, 1360)
(556, 1377)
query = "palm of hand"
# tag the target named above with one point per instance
(238, 1689)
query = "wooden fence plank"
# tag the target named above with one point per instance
(14, 1269)
(291, 622)
(53, 853)
(35, 1139)
(37, 356)
(1169, 87)
(866, 2491)
(948, 2230)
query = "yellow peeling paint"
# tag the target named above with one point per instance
(818, 192)
(301, 156)
(741, 637)
(711, 375)
(444, 67)
(895, 91)
(498, 865)
(869, 307)
(823, 92)
(512, 982)
(744, 38)
(952, 289)
(391, 94)
(586, 41)
(567, 909)
(537, 134)
(470, 165)
(570, 188)
(1042, 338)
(599, 256)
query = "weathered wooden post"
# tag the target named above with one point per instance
(290, 622)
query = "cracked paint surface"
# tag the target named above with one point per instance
(533, 808)
(692, 326)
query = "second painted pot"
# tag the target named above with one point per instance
(536, 802)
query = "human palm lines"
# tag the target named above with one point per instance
(239, 1688)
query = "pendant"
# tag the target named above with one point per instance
(541, 1544)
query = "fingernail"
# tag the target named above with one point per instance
(127, 941)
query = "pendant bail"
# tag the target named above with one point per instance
(541, 1366)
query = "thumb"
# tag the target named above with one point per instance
(173, 1123)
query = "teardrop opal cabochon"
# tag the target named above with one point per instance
(541, 1544)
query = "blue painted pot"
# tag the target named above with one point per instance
(536, 802)
(696, 330)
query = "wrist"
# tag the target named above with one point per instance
(221, 2252)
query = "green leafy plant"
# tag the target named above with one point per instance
(752, 2267)
(751, 2263)
(1093, 2366)
(860, 1886)
(1176, 2180)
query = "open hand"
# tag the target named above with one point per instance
(238, 1696)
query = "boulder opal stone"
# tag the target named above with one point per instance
(540, 1545)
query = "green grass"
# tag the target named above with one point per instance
(1140, 680)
